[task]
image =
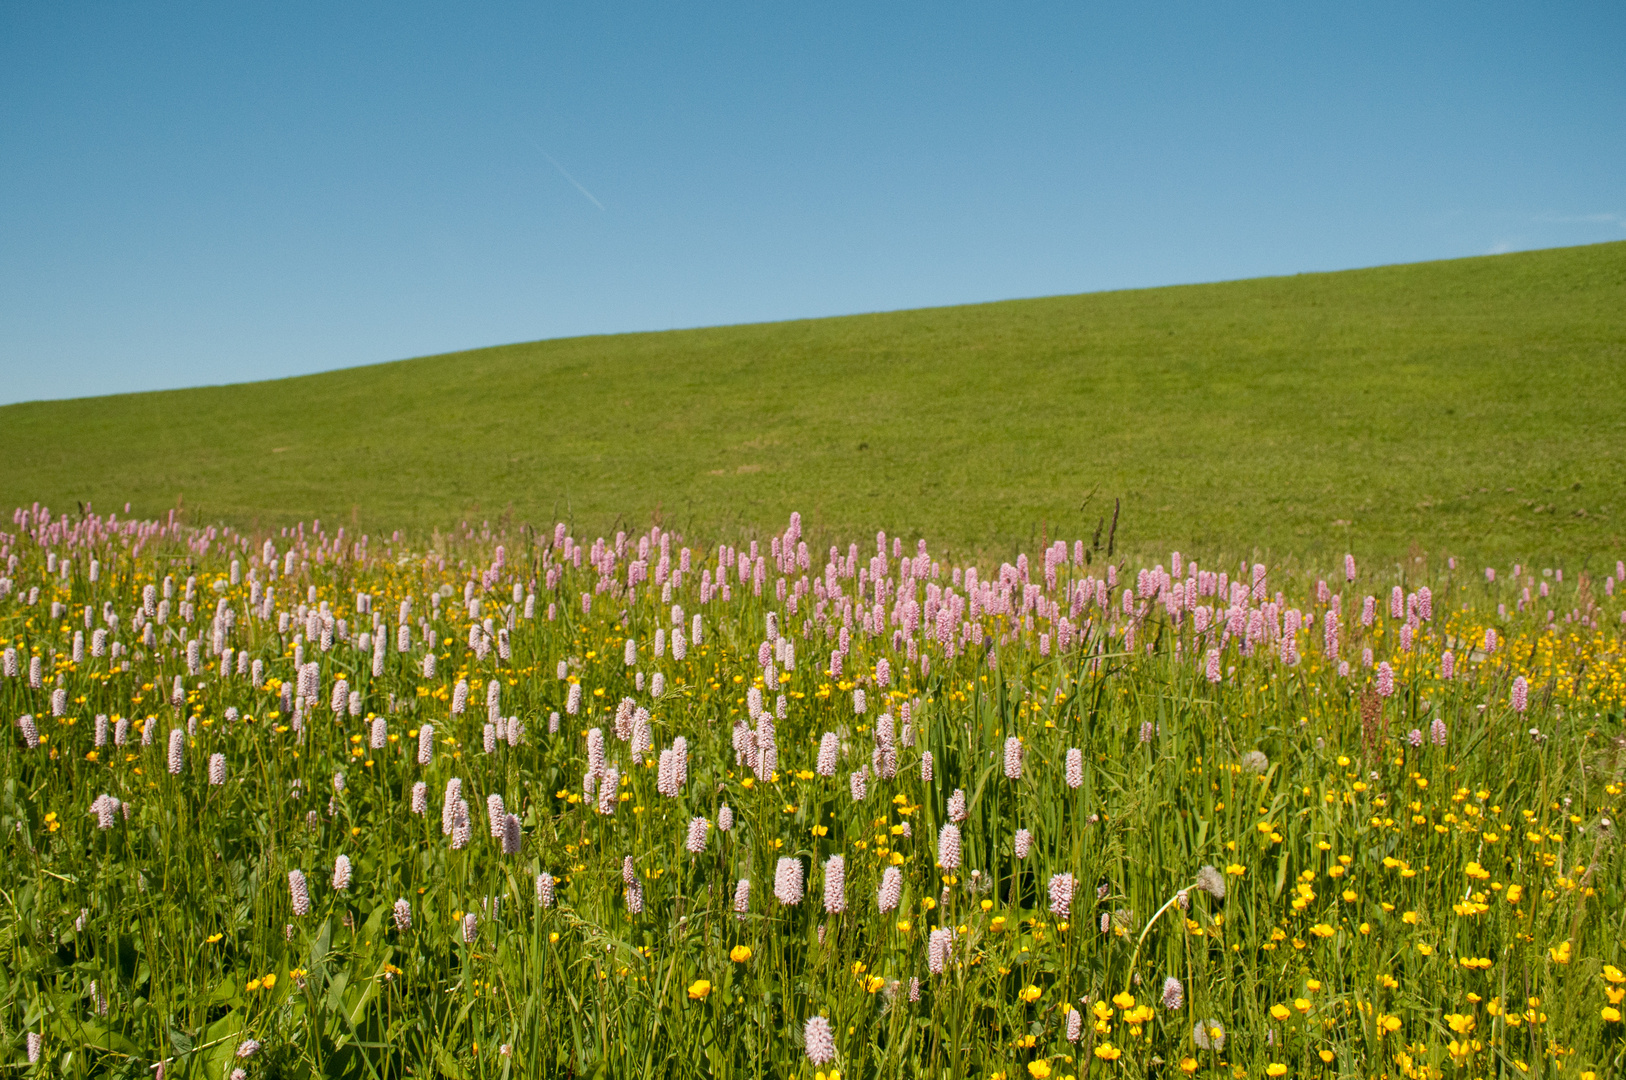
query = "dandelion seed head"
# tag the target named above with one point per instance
(1212, 882)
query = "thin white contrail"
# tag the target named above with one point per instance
(566, 175)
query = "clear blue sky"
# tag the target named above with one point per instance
(222, 192)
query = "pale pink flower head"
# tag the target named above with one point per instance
(939, 948)
(820, 1039)
(1062, 887)
(1386, 679)
(787, 881)
(1013, 758)
(696, 841)
(890, 892)
(298, 893)
(948, 847)
(835, 885)
(829, 750)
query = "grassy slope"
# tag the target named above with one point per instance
(1477, 405)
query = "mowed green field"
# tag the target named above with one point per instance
(1475, 406)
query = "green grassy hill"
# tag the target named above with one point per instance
(1476, 406)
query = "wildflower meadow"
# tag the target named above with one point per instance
(514, 803)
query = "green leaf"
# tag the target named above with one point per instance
(448, 1064)
(324, 940)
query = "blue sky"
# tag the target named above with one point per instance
(212, 193)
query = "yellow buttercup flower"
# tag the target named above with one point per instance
(1275, 1068)
(1039, 1070)
(699, 989)
(740, 953)
(1030, 994)
(1107, 1052)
